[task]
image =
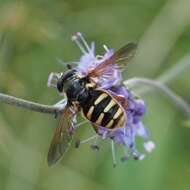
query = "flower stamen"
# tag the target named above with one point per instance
(99, 57)
(81, 43)
(76, 40)
(106, 48)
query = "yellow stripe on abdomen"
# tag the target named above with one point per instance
(110, 105)
(118, 113)
(99, 120)
(100, 98)
(90, 111)
(109, 125)
(121, 121)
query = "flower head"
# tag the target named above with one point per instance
(89, 60)
(134, 127)
(111, 81)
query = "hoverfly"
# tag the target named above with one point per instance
(98, 105)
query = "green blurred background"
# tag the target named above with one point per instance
(33, 34)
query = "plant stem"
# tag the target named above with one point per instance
(180, 67)
(28, 104)
(169, 75)
(180, 102)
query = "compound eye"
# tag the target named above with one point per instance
(60, 85)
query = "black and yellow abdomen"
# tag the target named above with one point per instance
(103, 110)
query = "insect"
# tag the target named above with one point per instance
(98, 105)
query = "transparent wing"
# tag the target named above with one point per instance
(125, 54)
(62, 137)
(120, 57)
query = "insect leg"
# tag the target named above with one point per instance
(89, 139)
(113, 153)
(95, 145)
(81, 123)
(78, 142)
(126, 155)
(136, 155)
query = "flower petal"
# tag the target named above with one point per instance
(149, 146)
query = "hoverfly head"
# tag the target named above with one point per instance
(67, 80)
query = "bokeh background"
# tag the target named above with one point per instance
(33, 34)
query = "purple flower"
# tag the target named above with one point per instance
(89, 60)
(134, 127)
(111, 81)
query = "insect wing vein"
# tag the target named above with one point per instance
(62, 138)
(120, 57)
